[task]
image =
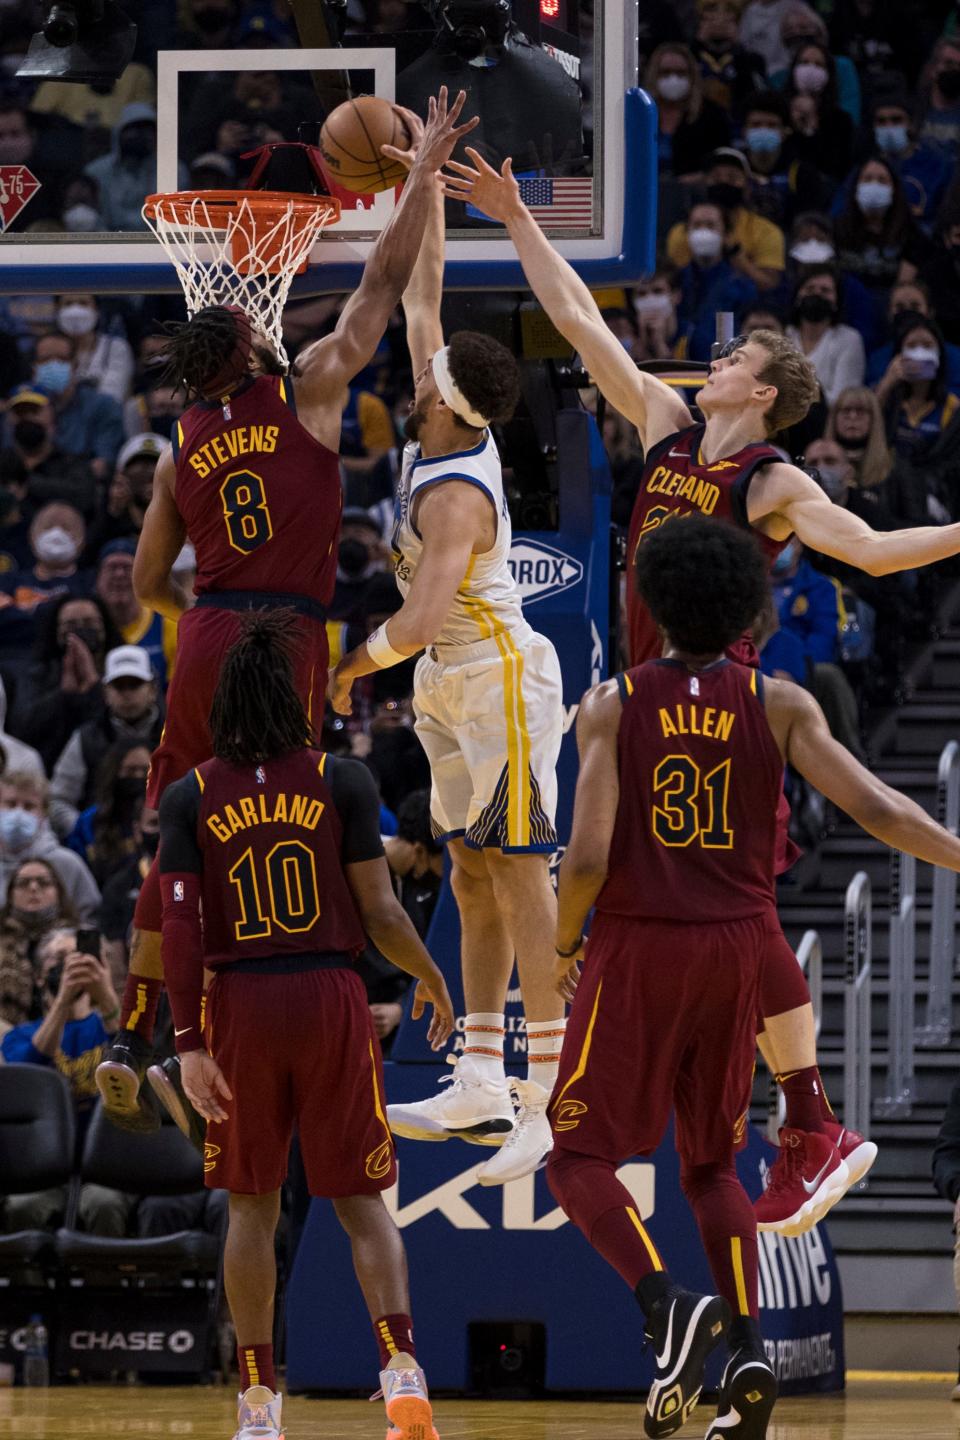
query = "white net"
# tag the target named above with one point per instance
(232, 248)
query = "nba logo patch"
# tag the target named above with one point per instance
(694, 685)
(261, 776)
(178, 889)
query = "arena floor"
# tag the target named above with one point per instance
(868, 1411)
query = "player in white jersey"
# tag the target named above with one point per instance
(488, 706)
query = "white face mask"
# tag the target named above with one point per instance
(812, 252)
(55, 546)
(811, 79)
(922, 361)
(705, 244)
(654, 307)
(673, 87)
(76, 319)
(82, 218)
(874, 195)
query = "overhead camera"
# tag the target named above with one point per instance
(469, 26)
(83, 41)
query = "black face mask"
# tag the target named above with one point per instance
(728, 197)
(211, 20)
(91, 637)
(849, 444)
(162, 425)
(54, 978)
(29, 435)
(128, 788)
(136, 144)
(816, 308)
(353, 557)
(150, 842)
(949, 83)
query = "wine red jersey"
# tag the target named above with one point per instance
(700, 782)
(260, 497)
(675, 482)
(273, 880)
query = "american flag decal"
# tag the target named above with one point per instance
(554, 201)
(178, 889)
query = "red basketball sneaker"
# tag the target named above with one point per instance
(808, 1176)
(858, 1153)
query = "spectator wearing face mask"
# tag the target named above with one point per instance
(128, 174)
(154, 408)
(690, 126)
(107, 832)
(102, 360)
(806, 603)
(878, 240)
(730, 74)
(836, 475)
(753, 246)
(63, 686)
(362, 554)
(35, 906)
(139, 625)
(922, 417)
(708, 283)
(812, 76)
(801, 27)
(939, 98)
(80, 210)
(835, 350)
(781, 182)
(132, 712)
(88, 424)
(56, 540)
(32, 461)
(128, 493)
(910, 297)
(658, 331)
(923, 168)
(811, 242)
(26, 834)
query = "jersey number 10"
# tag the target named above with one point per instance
(287, 878)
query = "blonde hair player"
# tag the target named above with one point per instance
(488, 704)
(725, 468)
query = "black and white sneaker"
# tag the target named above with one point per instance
(127, 1101)
(167, 1084)
(748, 1393)
(684, 1328)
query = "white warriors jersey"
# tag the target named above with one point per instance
(488, 600)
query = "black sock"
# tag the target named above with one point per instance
(744, 1334)
(652, 1289)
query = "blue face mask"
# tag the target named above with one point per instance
(53, 375)
(762, 139)
(784, 560)
(18, 827)
(891, 139)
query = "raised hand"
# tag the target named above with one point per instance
(415, 128)
(442, 134)
(494, 192)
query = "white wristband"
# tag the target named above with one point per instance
(380, 650)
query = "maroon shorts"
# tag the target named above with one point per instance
(664, 1019)
(297, 1050)
(783, 985)
(204, 636)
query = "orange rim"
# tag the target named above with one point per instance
(267, 205)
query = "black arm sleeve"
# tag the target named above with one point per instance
(358, 806)
(179, 811)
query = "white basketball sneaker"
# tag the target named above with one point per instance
(408, 1405)
(258, 1415)
(527, 1148)
(473, 1108)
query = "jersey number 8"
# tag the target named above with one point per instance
(245, 511)
(290, 872)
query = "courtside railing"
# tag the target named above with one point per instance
(810, 960)
(897, 1101)
(858, 1021)
(943, 920)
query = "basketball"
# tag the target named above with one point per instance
(350, 141)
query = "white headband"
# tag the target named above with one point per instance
(451, 393)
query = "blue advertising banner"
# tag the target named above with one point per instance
(510, 1255)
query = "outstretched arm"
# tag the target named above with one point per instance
(421, 299)
(806, 742)
(649, 404)
(784, 494)
(330, 364)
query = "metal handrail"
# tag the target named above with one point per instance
(858, 1021)
(938, 1022)
(897, 1102)
(810, 960)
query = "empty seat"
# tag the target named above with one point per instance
(37, 1142)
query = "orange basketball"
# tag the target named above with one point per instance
(350, 142)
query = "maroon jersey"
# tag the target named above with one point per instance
(700, 781)
(260, 497)
(675, 482)
(273, 881)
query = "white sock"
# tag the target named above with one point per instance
(483, 1034)
(544, 1043)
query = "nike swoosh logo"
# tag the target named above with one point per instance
(183, 1031)
(662, 1359)
(811, 1185)
(677, 455)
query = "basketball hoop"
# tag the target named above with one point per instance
(240, 247)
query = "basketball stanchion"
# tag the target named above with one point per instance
(857, 1027)
(897, 1102)
(937, 1026)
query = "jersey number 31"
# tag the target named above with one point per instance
(689, 805)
